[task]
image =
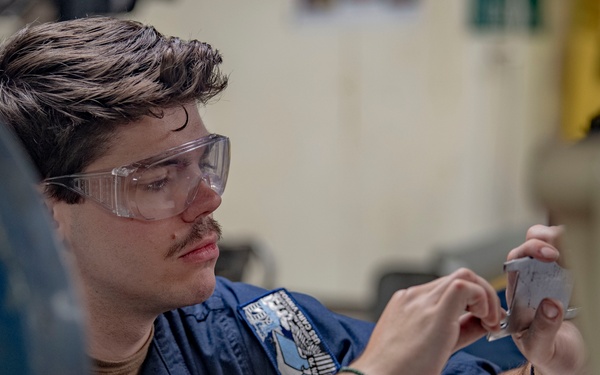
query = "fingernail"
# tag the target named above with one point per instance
(549, 310)
(548, 252)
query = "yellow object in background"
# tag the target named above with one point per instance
(581, 80)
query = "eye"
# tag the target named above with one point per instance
(156, 179)
(207, 165)
(157, 185)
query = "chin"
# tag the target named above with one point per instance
(188, 288)
(199, 291)
(206, 290)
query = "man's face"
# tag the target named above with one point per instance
(147, 266)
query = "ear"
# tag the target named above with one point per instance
(58, 213)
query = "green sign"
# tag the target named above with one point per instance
(503, 15)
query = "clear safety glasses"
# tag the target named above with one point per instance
(159, 187)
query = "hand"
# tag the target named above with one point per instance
(551, 345)
(423, 325)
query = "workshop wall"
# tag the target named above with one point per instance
(370, 139)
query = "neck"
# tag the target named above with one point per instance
(116, 334)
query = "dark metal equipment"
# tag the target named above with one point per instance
(40, 320)
(67, 9)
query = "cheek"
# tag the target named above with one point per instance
(108, 243)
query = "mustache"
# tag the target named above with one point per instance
(199, 230)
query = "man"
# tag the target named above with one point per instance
(106, 109)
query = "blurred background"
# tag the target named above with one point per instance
(378, 137)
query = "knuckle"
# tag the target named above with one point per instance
(410, 291)
(535, 230)
(464, 273)
(408, 294)
(399, 294)
(459, 285)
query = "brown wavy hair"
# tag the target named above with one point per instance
(66, 86)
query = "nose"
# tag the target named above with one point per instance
(205, 203)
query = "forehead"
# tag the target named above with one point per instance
(150, 136)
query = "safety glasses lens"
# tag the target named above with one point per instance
(168, 187)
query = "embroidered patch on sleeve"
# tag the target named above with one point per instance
(288, 336)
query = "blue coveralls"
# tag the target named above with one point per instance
(212, 338)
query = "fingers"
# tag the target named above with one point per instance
(542, 242)
(464, 290)
(549, 234)
(452, 295)
(552, 345)
(538, 340)
(431, 316)
(471, 330)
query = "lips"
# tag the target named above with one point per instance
(201, 254)
(203, 232)
(203, 251)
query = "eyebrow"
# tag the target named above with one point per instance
(173, 161)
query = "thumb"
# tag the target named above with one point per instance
(538, 340)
